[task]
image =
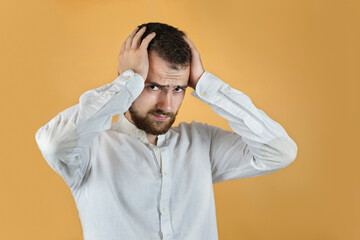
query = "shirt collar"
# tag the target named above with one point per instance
(130, 129)
(125, 126)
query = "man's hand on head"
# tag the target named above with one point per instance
(196, 67)
(134, 55)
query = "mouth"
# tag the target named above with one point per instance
(160, 117)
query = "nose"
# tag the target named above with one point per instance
(164, 102)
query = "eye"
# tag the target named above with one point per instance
(153, 87)
(179, 89)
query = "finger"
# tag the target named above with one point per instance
(137, 37)
(191, 44)
(128, 42)
(122, 48)
(145, 42)
(130, 37)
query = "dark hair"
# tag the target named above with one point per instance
(169, 44)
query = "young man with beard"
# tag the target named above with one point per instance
(140, 178)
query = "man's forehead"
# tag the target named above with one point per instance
(162, 72)
(167, 81)
(168, 75)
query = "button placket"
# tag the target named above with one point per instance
(165, 220)
(157, 154)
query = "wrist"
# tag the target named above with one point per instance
(195, 81)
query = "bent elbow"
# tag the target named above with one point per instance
(46, 145)
(291, 151)
(279, 152)
(56, 138)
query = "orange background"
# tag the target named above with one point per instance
(298, 60)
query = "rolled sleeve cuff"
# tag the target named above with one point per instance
(208, 87)
(134, 83)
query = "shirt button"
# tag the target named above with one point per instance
(163, 209)
(165, 174)
(128, 73)
(203, 94)
(108, 95)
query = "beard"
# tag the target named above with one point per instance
(149, 124)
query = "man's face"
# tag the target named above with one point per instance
(154, 111)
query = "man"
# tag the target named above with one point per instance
(140, 178)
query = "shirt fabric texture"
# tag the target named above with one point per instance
(126, 188)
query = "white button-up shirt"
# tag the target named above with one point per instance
(126, 188)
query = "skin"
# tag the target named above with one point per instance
(164, 88)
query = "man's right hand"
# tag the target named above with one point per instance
(134, 55)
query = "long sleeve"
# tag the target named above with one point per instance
(65, 141)
(258, 146)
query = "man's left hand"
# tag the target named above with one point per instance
(196, 67)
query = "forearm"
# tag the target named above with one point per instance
(266, 139)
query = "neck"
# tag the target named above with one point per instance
(151, 138)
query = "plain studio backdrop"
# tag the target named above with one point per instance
(298, 61)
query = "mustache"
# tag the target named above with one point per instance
(161, 112)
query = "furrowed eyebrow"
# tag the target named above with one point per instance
(156, 84)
